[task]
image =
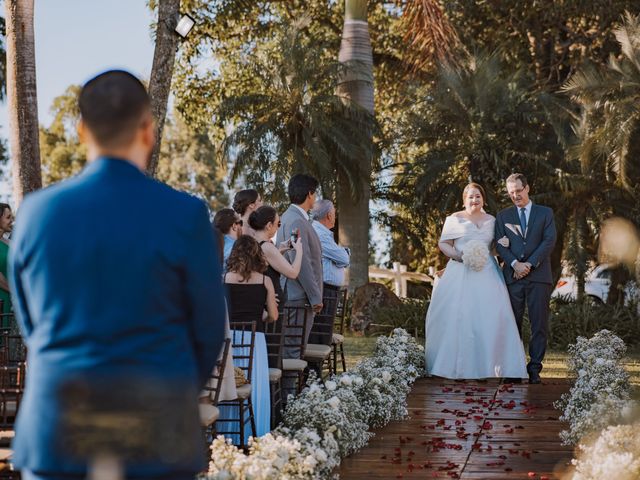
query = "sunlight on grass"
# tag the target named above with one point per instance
(555, 365)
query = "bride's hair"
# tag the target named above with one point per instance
(477, 187)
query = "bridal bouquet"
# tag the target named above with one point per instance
(476, 255)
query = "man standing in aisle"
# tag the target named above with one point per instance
(118, 294)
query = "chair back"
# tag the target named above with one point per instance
(13, 355)
(274, 336)
(341, 312)
(218, 372)
(243, 340)
(295, 321)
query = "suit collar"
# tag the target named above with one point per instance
(112, 164)
(299, 211)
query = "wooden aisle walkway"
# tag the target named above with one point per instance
(471, 430)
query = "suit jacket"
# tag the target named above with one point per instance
(308, 285)
(533, 246)
(116, 279)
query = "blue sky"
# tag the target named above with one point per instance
(76, 39)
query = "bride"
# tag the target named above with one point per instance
(470, 327)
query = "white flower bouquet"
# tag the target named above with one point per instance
(475, 255)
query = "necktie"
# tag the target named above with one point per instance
(523, 221)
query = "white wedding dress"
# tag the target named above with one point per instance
(471, 332)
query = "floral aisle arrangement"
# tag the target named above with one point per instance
(614, 454)
(476, 255)
(329, 420)
(600, 395)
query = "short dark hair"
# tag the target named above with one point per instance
(300, 186)
(3, 207)
(514, 177)
(224, 219)
(261, 217)
(243, 199)
(112, 106)
(246, 257)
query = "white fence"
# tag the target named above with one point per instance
(399, 275)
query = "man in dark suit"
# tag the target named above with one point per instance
(306, 290)
(118, 294)
(531, 234)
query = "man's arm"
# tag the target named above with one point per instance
(548, 241)
(306, 276)
(204, 294)
(500, 232)
(334, 252)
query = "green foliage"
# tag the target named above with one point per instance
(572, 319)
(476, 122)
(293, 121)
(410, 316)
(187, 157)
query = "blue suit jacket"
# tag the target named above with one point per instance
(113, 274)
(535, 246)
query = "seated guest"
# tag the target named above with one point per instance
(250, 290)
(335, 259)
(229, 223)
(265, 222)
(245, 203)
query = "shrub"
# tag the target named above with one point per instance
(409, 316)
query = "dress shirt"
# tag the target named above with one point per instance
(527, 214)
(334, 257)
(228, 245)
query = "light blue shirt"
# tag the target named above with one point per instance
(228, 245)
(334, 257)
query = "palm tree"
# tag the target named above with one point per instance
(22, 96)
(356, 86)
(294, 122)
(162, 69)
(474, 122)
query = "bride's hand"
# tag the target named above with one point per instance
(504, 241)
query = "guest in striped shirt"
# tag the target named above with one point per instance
(335, 259)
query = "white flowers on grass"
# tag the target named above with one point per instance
(330, 420)
(476, 254)
(614, 454)
(601, 391)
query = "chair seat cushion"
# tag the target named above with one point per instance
(208, 414)
(244, 391)
(315, 352)
(275, 374)
(293, 364)
(337, 339)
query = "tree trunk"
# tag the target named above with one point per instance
(162, 70)
(356, 86)
(22, 96)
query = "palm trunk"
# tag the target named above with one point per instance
(162, 70)
(356, 86)
(22, 96)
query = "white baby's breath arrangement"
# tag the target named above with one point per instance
(600, 394)
(475, 255)
(329, 420)
(614, 454)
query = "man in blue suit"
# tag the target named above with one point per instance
(118, 294)
(531, 232)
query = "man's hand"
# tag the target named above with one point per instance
(521, 269)
(317, 308)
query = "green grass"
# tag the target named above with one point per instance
(555, 365)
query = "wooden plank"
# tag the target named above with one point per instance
(471, 430)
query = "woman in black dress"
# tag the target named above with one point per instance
(265, 222)
(250, 291)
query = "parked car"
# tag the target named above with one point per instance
(596, 286)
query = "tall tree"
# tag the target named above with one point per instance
(162, 69)
(22, 96)
(356, 85)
